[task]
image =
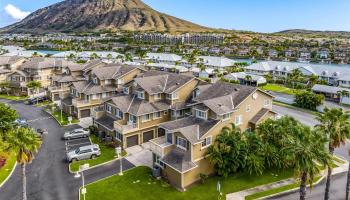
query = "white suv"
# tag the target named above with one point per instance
(84, 152)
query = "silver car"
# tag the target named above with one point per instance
(77, 133)
(84, 152)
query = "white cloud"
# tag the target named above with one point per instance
(15, 12)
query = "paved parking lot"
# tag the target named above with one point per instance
(76, 143)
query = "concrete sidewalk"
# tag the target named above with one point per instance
(343, 167)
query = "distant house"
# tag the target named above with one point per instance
(273, 53)
(246, 79)
(214, 50)
(331, 93)
(341, 55)
(304, 55)
(288, 53)
(216, 62)
(323, 54)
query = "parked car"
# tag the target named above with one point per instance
(35, 100)
(84, 152)
(77, 133)
(21, 122)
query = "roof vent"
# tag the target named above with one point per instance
(236, 89)
(219, 104)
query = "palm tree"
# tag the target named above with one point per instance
(313, 79)
(248, 79)
(342, 94)
(348, 182)
(94, 56)
(335, 125)
(35, 85)
(25, 143)
(295, 76)
(306, 152)
(128, 57)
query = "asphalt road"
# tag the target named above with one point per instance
(337, 191)
(48, 177)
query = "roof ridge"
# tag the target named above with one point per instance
(166, 82)
(132, 100)
(86, 86)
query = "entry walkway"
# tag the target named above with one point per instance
(343, 167)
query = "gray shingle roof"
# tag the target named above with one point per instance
(190, 127)
(43, 63)
(328, 89)
(259, 115)
(67, 79)
(90, 88)
(179, 160)
(107, 122)
(155, 82)
(8, 60)
(112, 71)
(223, 97)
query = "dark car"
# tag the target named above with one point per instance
(36, 100)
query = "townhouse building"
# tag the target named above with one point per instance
(8, 64)
(132, 117)
(179, 153)
(100, 83)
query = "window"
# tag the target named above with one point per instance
(266, 102)
(206, 142)
(109, 108)
(157, 96)
(196, 93)
(126, 90)
(169, 138)
(201, 114)
(158, 161)
(94, 80)
(156, 115)
(140, 94)
(181, 143)
(119, 136)
(247, 109)
(146, 118)
(107, 82)
(172, 96)
(239, 120)
(118, 113)
(226, 116)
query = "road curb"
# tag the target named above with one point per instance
(57, 119)
(95, 166)
(8, 177)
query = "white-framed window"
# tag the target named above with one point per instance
(196, 93)
(156, 115)
(140, 94)
(126, 90)
(109, 108)
(146, 118)
(181, 143)
(107, 82)
(120, 81)
(226, 116)
(172, 96)
(94, 80)
(267, 102)
(248, 108)
(119, 136)
(201, 114)
(169, 138)
(239, 120)
(157, 96)
(158, 162)
(119, 113)
(206, 142)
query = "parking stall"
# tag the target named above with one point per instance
(76, 143)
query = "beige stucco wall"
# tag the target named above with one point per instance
(204, 167)
(172, 176)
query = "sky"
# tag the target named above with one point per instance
(252, 15)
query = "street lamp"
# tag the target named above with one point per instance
(82, 168)
(118, 151)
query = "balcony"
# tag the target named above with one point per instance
(98, 112)
(125, 127)
(160, 146)
(53, 89)
(85, 103)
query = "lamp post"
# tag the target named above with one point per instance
(118, 150)
(82, 168)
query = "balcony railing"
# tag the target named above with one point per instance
(58, 88)
(125, 128)
(160, 146)
(83, 103)
(98, 112)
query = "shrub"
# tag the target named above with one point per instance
(203, 177)
(308, 100)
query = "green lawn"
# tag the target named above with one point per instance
(15, 98)
(44, 103)
(278, 88)
(276, 190)
(64, 121)
(7, 168)
(107, 154)
(136, 181)
(295, 107)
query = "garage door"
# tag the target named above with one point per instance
(161, 132)
(147, 136)
(132, 141)
(85, 113)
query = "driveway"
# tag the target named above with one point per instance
(47, 176)
(140, 155)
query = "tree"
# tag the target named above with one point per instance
(295, 76)
(24, 142)
(94, 56)
(342, 94)
(7, 117)
(141, 54)
(335, 125)
(248, 79)
(109, 56)
(5, 85)
(313, 80)
(306, 151)
(128, 57)
(35, 85)
(308, 100)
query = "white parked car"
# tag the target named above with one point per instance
(77, 133)
(84, 152)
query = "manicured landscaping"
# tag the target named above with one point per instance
(7, 168)
(107, 154)
(14, 98)
(278, 88)
(134, 183)
(276, 190)
(64, 119)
